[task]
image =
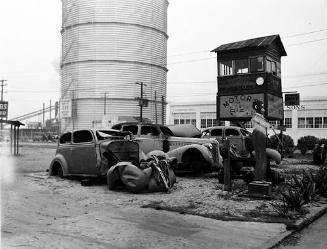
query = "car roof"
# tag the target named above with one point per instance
(222, 127)
(137, 123)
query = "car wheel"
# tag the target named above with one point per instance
(57, 170)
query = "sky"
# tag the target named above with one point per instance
(30, 46)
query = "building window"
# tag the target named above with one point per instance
(182, 121)
(301, 123)
(318, 122)
(176, 121)
(288, 122)
(193, 122)
(187, 121)
(241, 66)
(256, 64)
(203, 123)
(325, 122)
(226, 68)
(279, 74)
(273, 68)
(248, 124)
(309, 122)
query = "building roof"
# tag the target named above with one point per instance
(259, 42)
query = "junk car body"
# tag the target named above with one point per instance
(193, 154)
(236, 135)
(91, 152)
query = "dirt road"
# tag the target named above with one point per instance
(45, 212)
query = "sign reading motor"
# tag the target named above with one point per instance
(3, 109)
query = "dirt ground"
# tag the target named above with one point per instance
(42, 201)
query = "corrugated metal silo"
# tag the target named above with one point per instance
(108, 46)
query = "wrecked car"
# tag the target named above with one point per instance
(111, 154)
(193, 154)
(82, 152)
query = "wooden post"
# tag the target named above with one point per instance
(17, 140)
(10, 138)
(227, 170)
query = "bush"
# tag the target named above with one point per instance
(307, 143)
(321, 181)
(288, 143)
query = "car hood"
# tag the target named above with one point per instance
(185, 130)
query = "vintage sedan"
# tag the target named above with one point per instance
(92, 152)
(193, 154)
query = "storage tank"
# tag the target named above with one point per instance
(107, 47)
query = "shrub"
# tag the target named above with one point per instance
(288, 143)
(322, 141)
(307, 143)
(321, 181)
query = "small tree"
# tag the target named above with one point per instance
(288, 143)
(307, 143)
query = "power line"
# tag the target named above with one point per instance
(305, 33)
(301, 43)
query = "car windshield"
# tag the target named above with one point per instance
(166, 131)
(104, 134)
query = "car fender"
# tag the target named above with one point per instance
(59, 159)
(179, 152)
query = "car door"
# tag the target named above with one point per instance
(65, 149)
(84, 153)
(235, 137)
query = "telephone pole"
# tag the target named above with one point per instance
(2, 85)
(141, 102)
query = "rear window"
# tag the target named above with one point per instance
(131, 128)
(83, 136)
(65, 138)
(166, 131)
(149, 130)
(231, 132)
(217, 132)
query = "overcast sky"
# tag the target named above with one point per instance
(30, 44)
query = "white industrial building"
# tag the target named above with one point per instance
(308, 118)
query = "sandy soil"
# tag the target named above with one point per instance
(34, 205)
(39, 211)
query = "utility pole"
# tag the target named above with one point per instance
(141, 99)
(105, 104)
(2, 85)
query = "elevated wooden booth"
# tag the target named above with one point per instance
(249, 72)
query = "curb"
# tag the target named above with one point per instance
(292, 228)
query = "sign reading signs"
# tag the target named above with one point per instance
(238, 106)
(3, 109)
(66, 108)
(292, 99)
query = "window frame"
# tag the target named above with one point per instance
(83, 142)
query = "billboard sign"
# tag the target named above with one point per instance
(3, 109)
(66, 108)
(238, 106)
(292, 99)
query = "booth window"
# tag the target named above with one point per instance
(225, 68)
(241, 66)
(325, 122)
(256, 64)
